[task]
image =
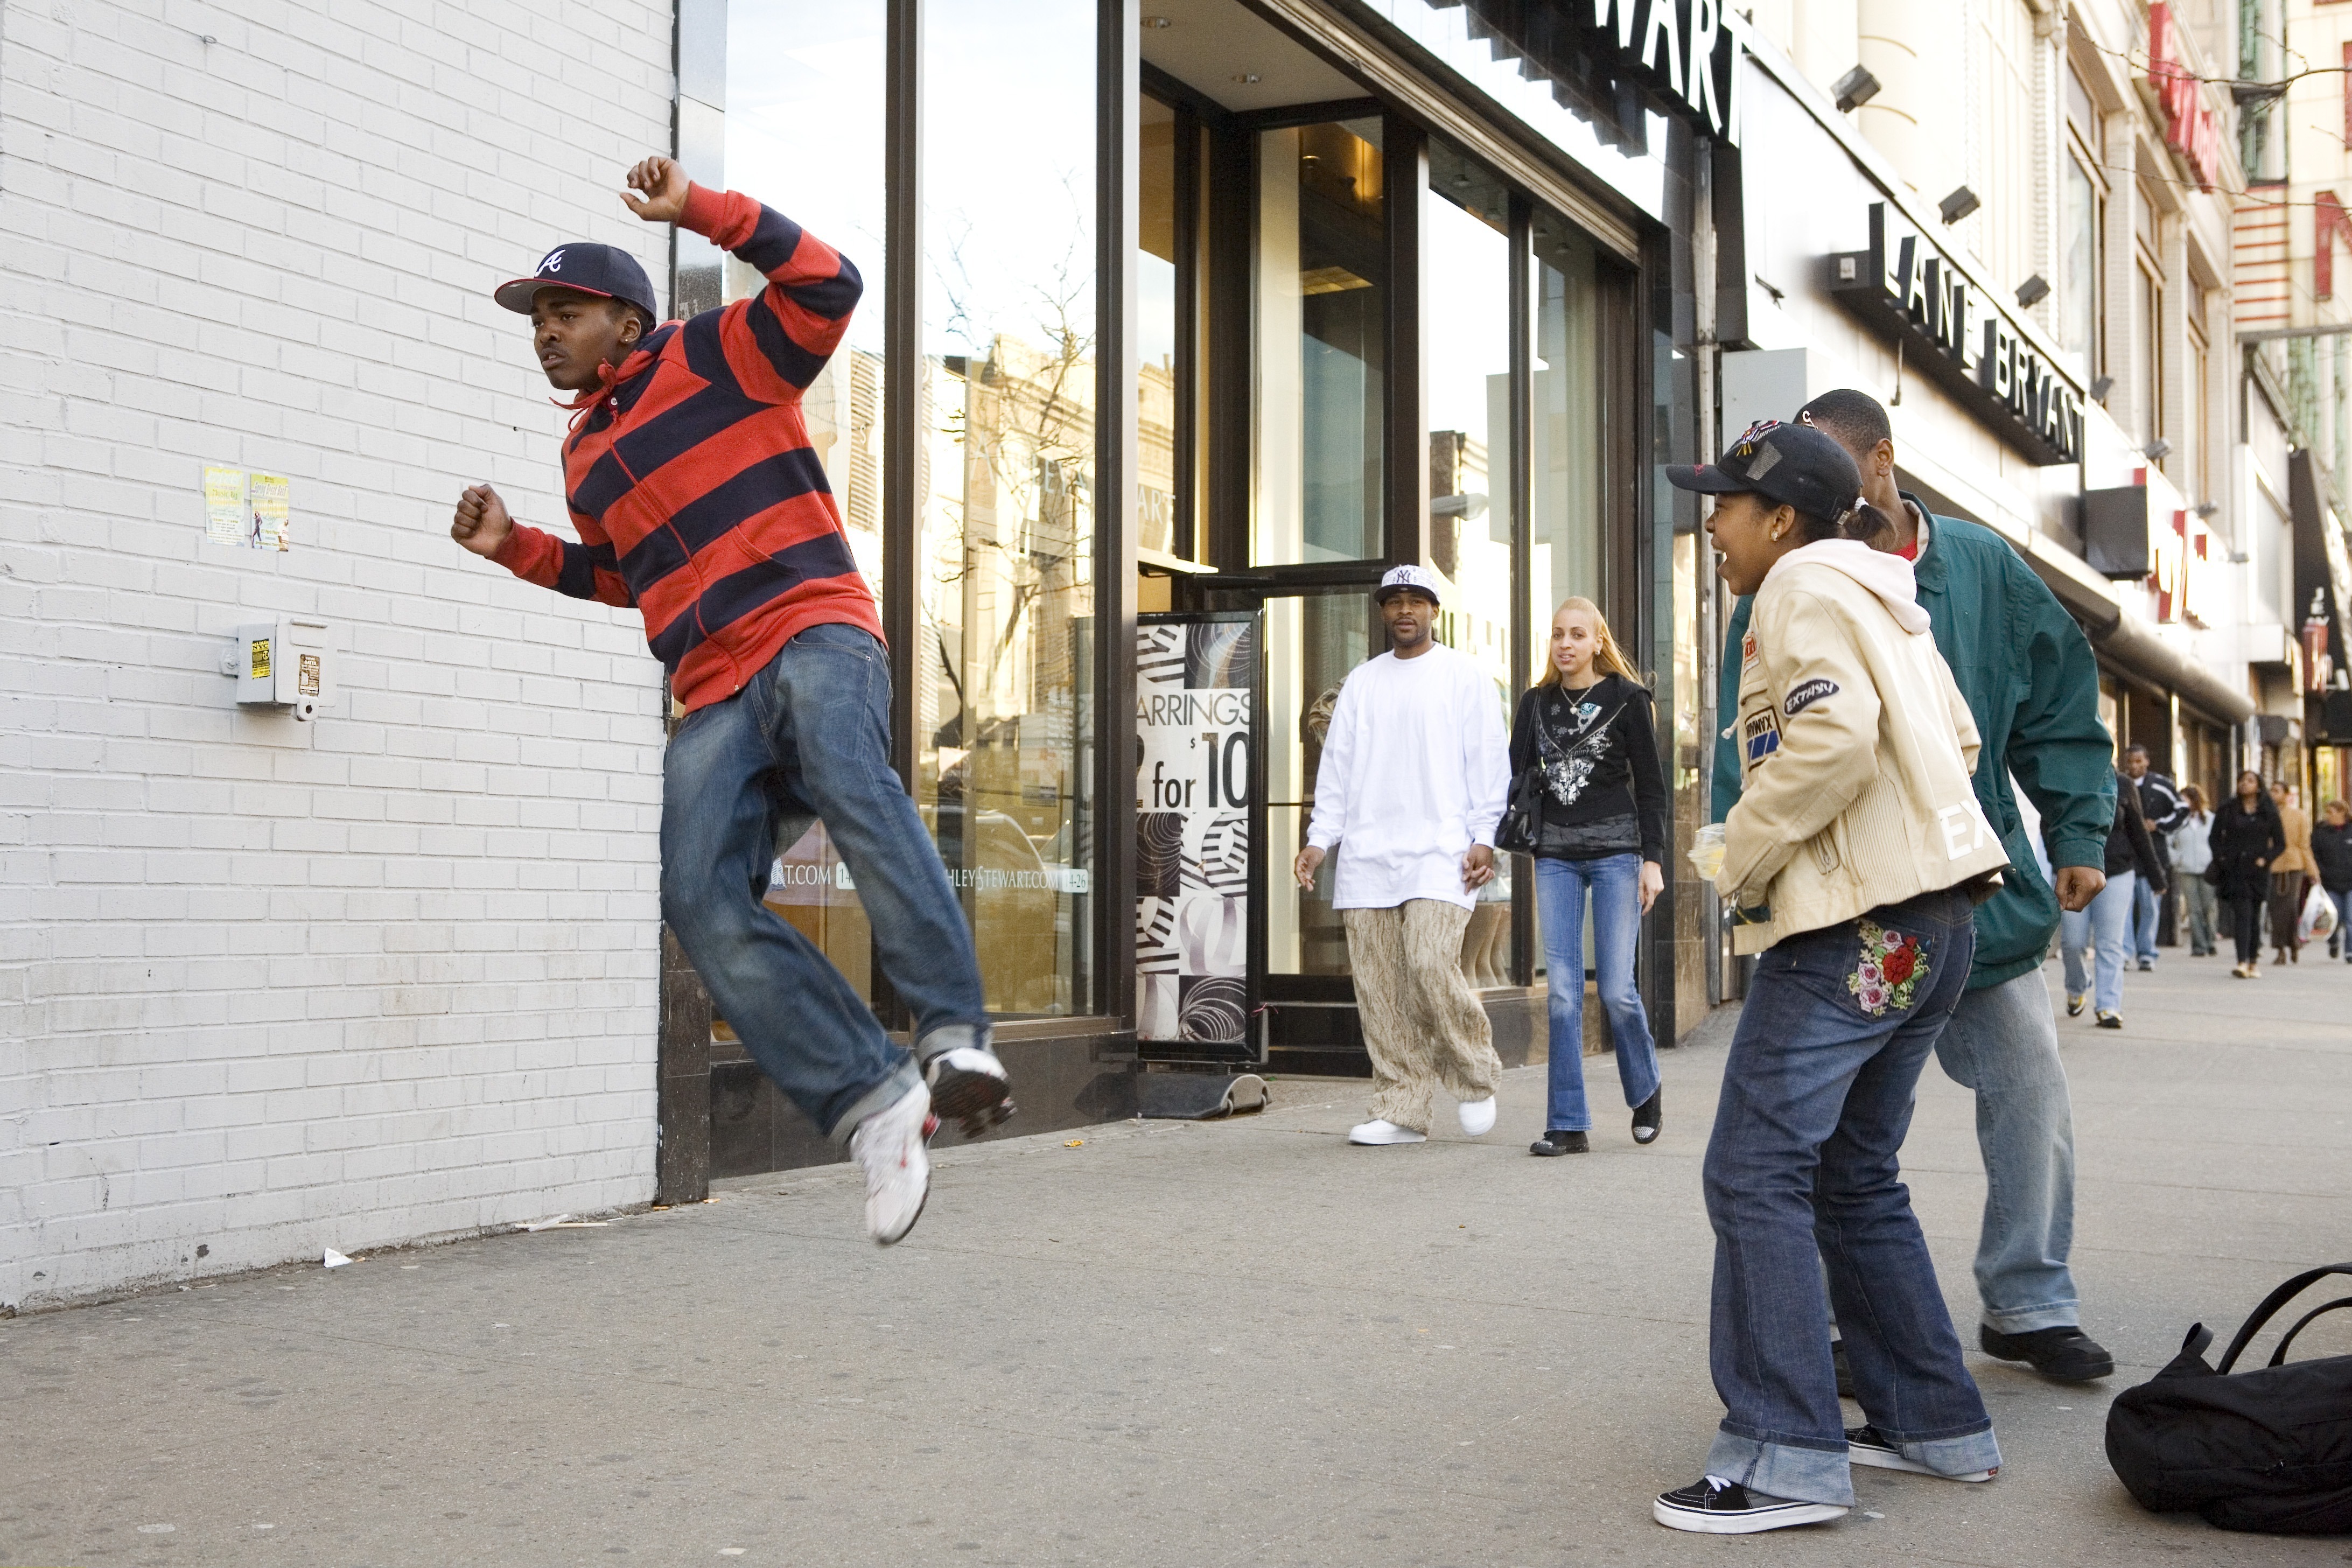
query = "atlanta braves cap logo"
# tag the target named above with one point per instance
(553, 264)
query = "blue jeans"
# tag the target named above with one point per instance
(2106, 923)
(1817, 1095)
(2343, 938)
(808, 739)
(2003, 1046)
(2143, 921)
(1615, 883)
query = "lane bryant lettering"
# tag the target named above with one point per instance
(1907, 285)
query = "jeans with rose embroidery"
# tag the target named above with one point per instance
(1817, 1095)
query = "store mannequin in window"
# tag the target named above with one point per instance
(1408, 792)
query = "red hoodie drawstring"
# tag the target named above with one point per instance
(608, 376)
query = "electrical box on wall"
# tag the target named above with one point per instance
(287, 664)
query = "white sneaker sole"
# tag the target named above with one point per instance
(1384, 1140)
(1750, 1522)
(1888, 1459)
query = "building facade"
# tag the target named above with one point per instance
(331, 894)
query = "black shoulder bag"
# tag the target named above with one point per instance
(2268, 1450)
(1521, 828)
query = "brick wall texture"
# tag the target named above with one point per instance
(268, 986)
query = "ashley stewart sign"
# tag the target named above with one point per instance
(1911, 292)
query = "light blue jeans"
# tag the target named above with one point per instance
(2001, 1044)
(2107, 923)
(1614, 882)
(2143, 918)
(808, 739)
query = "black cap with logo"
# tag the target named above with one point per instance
(601, 269)
(1791, 465)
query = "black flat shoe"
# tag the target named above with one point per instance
(1556, 1141)
(1650, 1116)
(2064, 1354)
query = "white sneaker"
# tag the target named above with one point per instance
(889, 1146)
(970, 1087)
(1478, 1116)
(1377, 1131)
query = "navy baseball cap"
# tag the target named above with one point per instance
(1791, 465)
(592, 268)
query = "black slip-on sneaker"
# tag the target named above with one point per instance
(2064, 1355)
(1558, 1142)
(1863, 1446)
(1650, 1116)
(1711, 1506)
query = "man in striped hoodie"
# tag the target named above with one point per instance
(698, 499)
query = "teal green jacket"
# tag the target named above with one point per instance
(2029, 677)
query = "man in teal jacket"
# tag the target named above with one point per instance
(2030, 682)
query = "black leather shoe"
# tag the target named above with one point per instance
(2064, 1354)
(1650, 1116)
(1559, 1142)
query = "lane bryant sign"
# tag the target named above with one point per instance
(1969, 345)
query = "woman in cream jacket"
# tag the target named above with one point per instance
(1851, 861)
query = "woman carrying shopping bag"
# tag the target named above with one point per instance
(2290, 874)
(2246, 838)
(2191, 853)
(1852, 864)
(2331, 849)
(2105, 925)
(1586, 728)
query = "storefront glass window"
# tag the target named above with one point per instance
(1565, 534)
(1156, 327)
(2078, 300)
(1311, 644)
(1002, 692)
(1467, 327)
(1322, 296)
(791, 64)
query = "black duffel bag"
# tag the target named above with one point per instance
(2268, 1450)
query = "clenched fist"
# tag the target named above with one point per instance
(664, 186)
(481, 524)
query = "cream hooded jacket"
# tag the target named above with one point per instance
(1856, 751)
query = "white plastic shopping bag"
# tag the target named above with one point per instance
(2318, 916)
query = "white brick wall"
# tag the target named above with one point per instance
(266, 986)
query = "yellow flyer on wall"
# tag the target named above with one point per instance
(224, 517)
(269, 498)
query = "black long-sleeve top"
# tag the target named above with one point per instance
(1604, 792)
(2244, 843)
(2129, 847)
(2332, 846)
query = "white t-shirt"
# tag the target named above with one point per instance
(1416, 768)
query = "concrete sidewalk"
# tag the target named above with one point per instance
(1173, 1343)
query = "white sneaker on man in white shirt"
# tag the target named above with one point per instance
(1478, 1116)
(1376, 1132)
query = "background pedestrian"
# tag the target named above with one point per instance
(1586, 728)
(2331, 849)
(2106, 924)
(2162, 808)
(2191, 853)
(2290, 874)
(2245, 839)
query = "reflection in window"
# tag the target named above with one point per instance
(1002, 694)
(1322, 291)
(791, 64)
(2078, 296)
(1564, 447)
(1311, 644)
(1466, 294)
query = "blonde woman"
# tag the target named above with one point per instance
(1586, 726)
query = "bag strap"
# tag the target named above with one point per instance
(2272, 1303)
(2197, 1340)
(2278, 1356)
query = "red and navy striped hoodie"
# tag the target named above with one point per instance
(690, 478)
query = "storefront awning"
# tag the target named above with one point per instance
(2131, 647)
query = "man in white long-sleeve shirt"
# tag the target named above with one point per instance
(1415, 767)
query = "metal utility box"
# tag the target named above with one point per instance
(287, 663)
(2115, 533)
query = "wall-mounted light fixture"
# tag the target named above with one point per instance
(2033, 291)
(2206, 508)
(2156, 451)
(2100, 386)
(1855, 88)
(1958, 204)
